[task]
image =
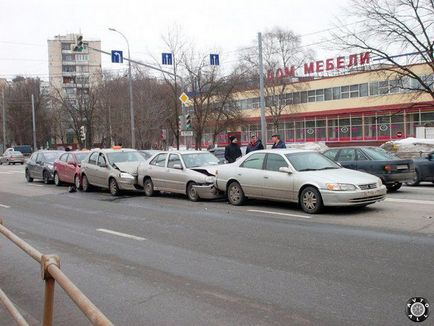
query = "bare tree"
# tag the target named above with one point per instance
(389, 27)
(212, 103)
(282, 56)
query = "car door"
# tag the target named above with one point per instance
(175, 179)
(102, 171)
(31, 164)
(250, 175)
(60, 166)
(70, 168)
(363, 162)
(39, 166)
(347, 158)
(90, 168)
(157, 170)
(277, 185)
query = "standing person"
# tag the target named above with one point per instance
(232, 151)
(277, 142)
(254, 145)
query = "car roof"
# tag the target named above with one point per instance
(341, 147)
(111, 150)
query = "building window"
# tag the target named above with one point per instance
(373, 88)
(303, 97)
(345, 91)
(69, 90)
(311, 96)
(363, 90)
(354, 91)
(336, 93)
(82, 57)
(328, 94)
(66, 46)
(83, 68)
(383, 87)
(68, 68)
(67, 57)
(319, 94)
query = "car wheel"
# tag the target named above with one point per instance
(57, 180)
(236, 194)
(77, 182)
(192, 192)
(46, 177)
(113, 187)
(148, 186)
(28, 177)
(310, 200)
(394, 187)
(415, 181)
(85, 185)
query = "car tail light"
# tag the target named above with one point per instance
(387, 168)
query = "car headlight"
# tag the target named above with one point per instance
(209, 179)
(125, 175)
(340, 186)
(379, 183)
(50, 166)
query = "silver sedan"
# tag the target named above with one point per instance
(185, 172)
(305, 177)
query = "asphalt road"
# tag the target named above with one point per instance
(209, 263)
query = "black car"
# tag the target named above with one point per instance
(424, 170)
(40, 165)
(218, 152)
(392, 170)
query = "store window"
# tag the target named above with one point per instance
(333, 129)
(320, 132)
(370, 127)
(356, 128)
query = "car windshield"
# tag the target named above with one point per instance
(379, 154)
(81, 156)
(311, 161)
(199, 159)
(50, 157)
(119, 157)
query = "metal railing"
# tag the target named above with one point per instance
(51, 273)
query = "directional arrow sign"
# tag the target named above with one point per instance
(183, 98)
(117, 56)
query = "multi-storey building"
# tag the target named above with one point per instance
(72, 73)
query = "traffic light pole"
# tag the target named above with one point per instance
(4, 119)
(35, 148)
(261, 91)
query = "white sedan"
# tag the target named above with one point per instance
(301, 176)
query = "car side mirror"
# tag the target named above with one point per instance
(177, 166)
(285, 169)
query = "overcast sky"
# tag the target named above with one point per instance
(222, 26)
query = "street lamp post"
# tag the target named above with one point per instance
(130, 86)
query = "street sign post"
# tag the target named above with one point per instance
(214, 59)
(187, 133)
(117, 56)
(166, 59)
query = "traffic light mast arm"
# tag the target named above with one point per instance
(140, 63)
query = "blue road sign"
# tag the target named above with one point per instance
(166, 58)
(117, 56)
(214, 60)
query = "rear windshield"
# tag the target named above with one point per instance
(50, 157)
(379, 154)
(119, 157)
(81, 156)
(16, 153)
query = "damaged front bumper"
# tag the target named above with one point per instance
(208, 191)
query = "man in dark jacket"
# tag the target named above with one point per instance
(254, 145)
(277, 142)
(232, 151)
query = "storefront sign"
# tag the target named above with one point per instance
(331, 64)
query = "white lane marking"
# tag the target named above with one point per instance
(5, 172)
(278, 213)
(125, 235)
(410, 201)
(4, 206)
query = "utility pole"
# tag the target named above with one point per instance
(4, 119)
(34, 124)
(261, 90)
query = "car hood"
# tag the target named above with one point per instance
(339, 176)
(129, 167)
(208, 170)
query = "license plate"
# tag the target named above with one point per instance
(402, 167)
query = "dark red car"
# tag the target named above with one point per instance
(67, 168)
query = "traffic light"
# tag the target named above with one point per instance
(78, 46)
(82, 133)
(188, 121)
(181, 122)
